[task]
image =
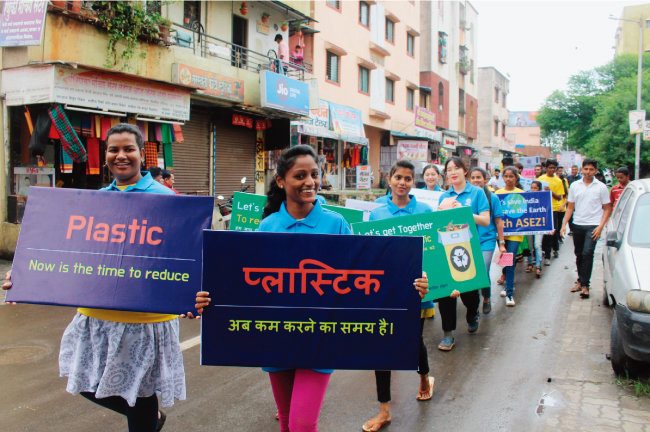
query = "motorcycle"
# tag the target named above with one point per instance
(223, 209)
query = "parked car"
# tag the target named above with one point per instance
(626, 266)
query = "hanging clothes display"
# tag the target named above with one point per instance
(106, 125)
(65, 163)
(178, 133)
(92, 145)
(69, 139)
(169, 160)
(150, 154)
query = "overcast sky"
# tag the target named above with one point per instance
(540, 44)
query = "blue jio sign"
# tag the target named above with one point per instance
(283, 93)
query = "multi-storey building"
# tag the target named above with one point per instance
(199, 79)
(493, 116)
(448, 73)
(627, 33)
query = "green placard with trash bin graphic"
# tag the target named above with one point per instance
(452, 253)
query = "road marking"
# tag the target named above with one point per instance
(191, 342)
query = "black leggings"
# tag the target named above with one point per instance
(382, 378)
(143, 417)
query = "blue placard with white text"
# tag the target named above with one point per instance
(110, 250)
(527, 213)
(284, 93)
(317, 301)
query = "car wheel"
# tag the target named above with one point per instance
(621, 363)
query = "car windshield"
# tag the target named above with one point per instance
(639, 228)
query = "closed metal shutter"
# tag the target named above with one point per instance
(192, 157)
(235, 156)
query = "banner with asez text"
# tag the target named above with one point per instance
(527, 213)
(452, 254)
(317, 301)
(110, 250)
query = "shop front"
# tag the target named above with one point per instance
(337, 135)
(58, 116)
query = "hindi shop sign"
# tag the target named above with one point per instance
(412, 150)
(283, 93)
(22, 23)
(213, 84)
(110, 250)
(527, 213)
(452, 253)
(346, 120)
(311, 301)
(364, 176)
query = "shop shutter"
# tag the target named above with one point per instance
(235, 156)
(192, 157)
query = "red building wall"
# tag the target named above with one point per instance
(431, 80)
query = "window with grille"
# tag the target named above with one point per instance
(410, 44)
(364, 14)
(364, 80)
(332, 67)
(390, 90)
(410, 95)
(390, 30)
(334, 4)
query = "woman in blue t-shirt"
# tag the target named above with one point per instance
(488, 235)
(431, 176)
(401, 180)
(461, 194)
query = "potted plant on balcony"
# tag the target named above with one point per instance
(265, 17)
(284, 26)
(243, 9)
(164, 25)
(74, 6)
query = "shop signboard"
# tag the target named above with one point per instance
(425, 122)
(283, 93)
(211, 83)
(26, 177)
(364, 176)
(412, 150)
(95, 90)
(22, 23)
(449, 142)
(346, 120)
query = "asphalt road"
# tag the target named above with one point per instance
(491, 381)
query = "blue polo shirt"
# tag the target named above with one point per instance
(471, 196)
(436, 189)
(318, 221)
(321, 199)
(488, 235)
(384, 199)
(146, 185)
(390, 210)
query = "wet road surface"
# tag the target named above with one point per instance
(491, 381)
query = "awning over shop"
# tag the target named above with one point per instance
(95, 90)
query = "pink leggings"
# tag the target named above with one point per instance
(299, 394)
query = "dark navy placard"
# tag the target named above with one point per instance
(527, 213)
(156, 268)
(337, 324)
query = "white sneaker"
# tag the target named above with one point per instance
(503, 293)
(510, 301)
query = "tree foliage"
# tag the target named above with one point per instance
(591, 116)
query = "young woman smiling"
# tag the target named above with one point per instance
(431, 177)
(461, 194)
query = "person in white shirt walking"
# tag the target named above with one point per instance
(590, 206)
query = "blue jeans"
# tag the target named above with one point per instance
(511, 247)
(487, 259)
(535, 245)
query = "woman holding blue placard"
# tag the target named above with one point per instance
(511, 179)
(401, 180)
(292, 207)
(461, 194)
(123, 360)
(488, 235)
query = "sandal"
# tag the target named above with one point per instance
(501, 280)
(374, 425)
(425, 396)
(577, 287)
(529, 268)
(538, 272)
(584, 293)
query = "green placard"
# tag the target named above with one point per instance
(452, 252)
(350, 215)
(247, 212)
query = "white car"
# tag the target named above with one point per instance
(626, 267)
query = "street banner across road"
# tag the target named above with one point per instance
(110, 250)
(527, 213)
(317, 301)
(452, 254)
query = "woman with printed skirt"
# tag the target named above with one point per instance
(123, 360)
(488, 235)
(401, 180)
(292, 207)
(461, 194)
(511, 179)
(431, 177)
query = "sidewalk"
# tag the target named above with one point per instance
(582, 394)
